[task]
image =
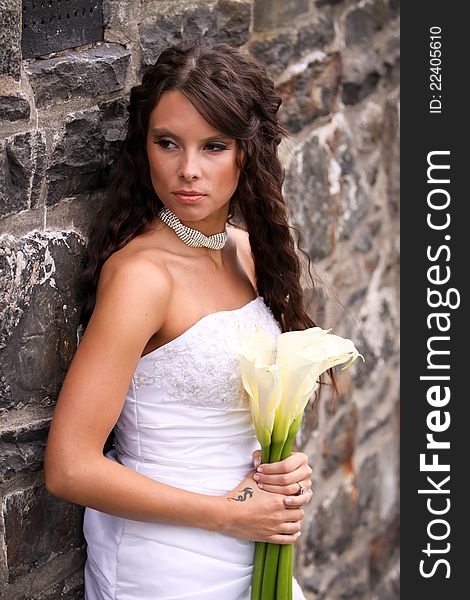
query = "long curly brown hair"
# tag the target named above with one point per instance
(233, 93)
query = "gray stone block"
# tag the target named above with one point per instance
(200, 21)
(326, 201)
(39, 315)
(333, 525)
(367, 126)
(368, 486)
(79, 74)
(14, 108)
(233, 22)
(38, 526)
(362, 22)
(120, 14)
(328, 2)
(306, 191)
(10, 38)
(353, 92)
(315, 35)
(212, 22)
(158, 32)
(22, 448)
(277, 13)
(383, 549)
(352, 197)
(71, 588)
(365, 238)
(80, 160)
(362, 374)
(389, 587)
(339, 441)
(377, 64)
(390, 151)
(275, 51)
(22, 164)
(311, 93)
(372, 425)
(350, 582)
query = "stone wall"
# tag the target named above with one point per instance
(62, 120)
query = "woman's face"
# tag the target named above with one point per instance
(186, 153)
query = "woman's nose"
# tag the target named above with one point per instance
(189, 167)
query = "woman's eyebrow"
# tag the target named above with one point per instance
(156, 131)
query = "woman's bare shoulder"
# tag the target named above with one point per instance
(136, 279)
(241, 238)
(242, 242)
(148, 269)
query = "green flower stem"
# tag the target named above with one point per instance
(270, 573)
(260, 549)
(258, 570)
(273, 565)
(276, 450)
(272, 553)
(284, 573)
(285, 561)
(288, 444)
(291, 568)
(265, 450)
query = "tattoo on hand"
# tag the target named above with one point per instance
(246, 492)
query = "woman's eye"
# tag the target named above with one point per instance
(216, 147)
(166, 144)
(212, 147)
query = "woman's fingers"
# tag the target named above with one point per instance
(290, 528)
(295, 515)
(289, 485)
(290, 480)
(289, 464)
(284, 538)
(284, 477)
(289, 531)
(298, 501)
(289, 490)
(256, 458)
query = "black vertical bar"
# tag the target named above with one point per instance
(434, 273)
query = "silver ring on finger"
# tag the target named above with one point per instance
(302, 489)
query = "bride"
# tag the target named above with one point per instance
(174, 508)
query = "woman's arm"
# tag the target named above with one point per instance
(131, 303)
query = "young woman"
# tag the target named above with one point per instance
(174, 508)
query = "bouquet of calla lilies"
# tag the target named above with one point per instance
(280, 376)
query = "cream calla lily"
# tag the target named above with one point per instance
(279, 388)
(261, 383)
(261, 380)
(324, 351)
(258, 346)
(293, 375)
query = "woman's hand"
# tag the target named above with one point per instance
(261, 516)
(286, 476)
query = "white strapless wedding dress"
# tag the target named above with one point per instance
(185, 422)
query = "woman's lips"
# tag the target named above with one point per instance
(189, 199)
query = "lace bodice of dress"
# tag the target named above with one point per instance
(201, 367)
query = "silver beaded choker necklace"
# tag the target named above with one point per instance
(192, 237)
